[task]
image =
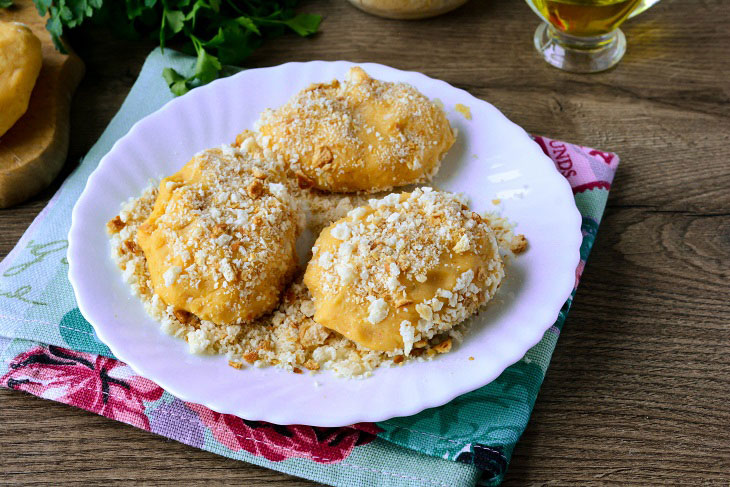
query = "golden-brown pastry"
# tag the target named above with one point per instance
(220, 242)
(360, 135)
(20, 63)
(403, 269)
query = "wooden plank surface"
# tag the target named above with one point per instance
(639, 388)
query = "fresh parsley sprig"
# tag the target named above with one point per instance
(218, 32)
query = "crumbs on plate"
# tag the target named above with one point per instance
(392, 277)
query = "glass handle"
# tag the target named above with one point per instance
(643, 5)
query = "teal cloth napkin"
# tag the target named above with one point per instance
(48, 349)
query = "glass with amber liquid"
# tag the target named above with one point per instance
(583, 36)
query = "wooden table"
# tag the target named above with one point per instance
(639, 388)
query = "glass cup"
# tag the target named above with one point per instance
(583, 36)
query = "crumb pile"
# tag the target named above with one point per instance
(288, 338)
(211, 250)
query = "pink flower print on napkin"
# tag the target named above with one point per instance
(277, 443)
(584, 168)
(102, 385)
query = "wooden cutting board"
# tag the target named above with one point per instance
(33, 151)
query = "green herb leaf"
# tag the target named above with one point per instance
(6, 3)
(175, 20)
(135, 8)
(42, 6)
(304, 24)
(248, 24)
(199, 7)
(207, 67)
(175, 81)
(54, 26)
(233, 28)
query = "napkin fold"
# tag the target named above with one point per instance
(49, 350)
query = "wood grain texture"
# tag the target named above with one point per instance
(639, 388)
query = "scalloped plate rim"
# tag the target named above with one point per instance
(285, 417)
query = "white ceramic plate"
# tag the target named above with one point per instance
(492, 158)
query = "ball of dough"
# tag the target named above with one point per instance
(360, 135)
(220, 242)
(20, 63)
(403, 269)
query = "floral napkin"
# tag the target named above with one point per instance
(49, 350)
